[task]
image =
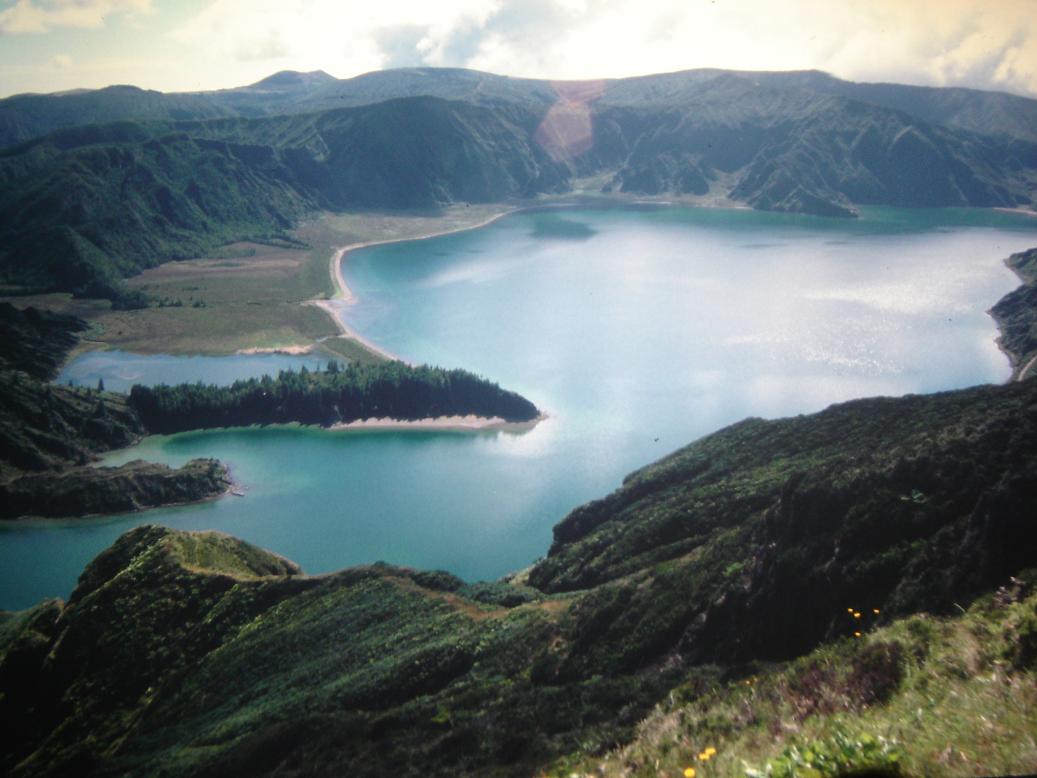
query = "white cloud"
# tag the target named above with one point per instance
(62, 61)
(989, 44)
(39, 16)
(940, 42)
(342, 37)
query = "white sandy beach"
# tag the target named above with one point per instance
(290, 350)
(442, 423)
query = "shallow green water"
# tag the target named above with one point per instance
(636, 330)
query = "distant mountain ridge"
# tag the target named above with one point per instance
(100, 184)
(86, 206)
(23, 117)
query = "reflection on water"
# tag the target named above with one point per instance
(656, 327)
(120, 370)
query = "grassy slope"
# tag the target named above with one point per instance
(85, 206)
(753, 542)
(949, 696)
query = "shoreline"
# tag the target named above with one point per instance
(294, 351)
(343, 295)
(1015, 361)
(1023, 211)
(469, 423)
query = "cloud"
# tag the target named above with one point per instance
(938, 42)
(981, 43)
(990, 45)
(62, 61)
(39, 16)
(342, 37)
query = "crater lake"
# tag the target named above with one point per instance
(637, 330)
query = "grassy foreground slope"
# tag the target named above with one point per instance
(746, 546)
(951, 696)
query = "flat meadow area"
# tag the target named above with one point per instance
(250, 296)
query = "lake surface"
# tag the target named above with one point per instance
(120, 370)
(638, 331)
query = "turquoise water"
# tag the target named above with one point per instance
(636, 330)
(120, 370)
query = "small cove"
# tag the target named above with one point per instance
(637, 330)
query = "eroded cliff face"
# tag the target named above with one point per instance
(1016, 316)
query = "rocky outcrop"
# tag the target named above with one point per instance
(88, 490)
(1016, 317)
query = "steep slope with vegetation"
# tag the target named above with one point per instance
(1016, 316)
(28, 116)
(750, 542)
(793, 149)
(35, 341)
(84, 207)
(747, 546)
(48, 434)
(920, 696)
(24, 117)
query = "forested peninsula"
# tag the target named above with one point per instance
(337, 395)
(50, 434)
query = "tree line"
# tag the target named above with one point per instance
(334, 395)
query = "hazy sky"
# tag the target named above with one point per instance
(178, 45)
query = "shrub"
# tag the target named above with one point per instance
(841, 755)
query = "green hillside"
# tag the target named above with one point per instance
(748, 546)
(142, 178)
(85, 207)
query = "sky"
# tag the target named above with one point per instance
(189, 45)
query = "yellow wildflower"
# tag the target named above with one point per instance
(689, 772)
(711, 751)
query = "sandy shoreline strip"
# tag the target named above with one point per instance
(344, 295)
(342, 290)
(344, 330)
(290, 350)
(1023, 211)
(441, 424)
